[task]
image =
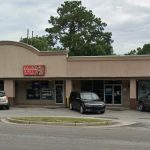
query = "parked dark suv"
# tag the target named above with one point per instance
(86, 102)
(144, 102)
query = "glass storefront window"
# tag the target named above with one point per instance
(96, 86)
(113, 82)
(33, 94)
(41, 90)
(1, 85)
(109, 91)
(143, 88)
(47, 94)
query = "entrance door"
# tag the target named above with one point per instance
(59, 94)
(117, 94)
(108, 94)
(113, 94)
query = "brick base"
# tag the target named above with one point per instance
(133, 104)
(11, 101)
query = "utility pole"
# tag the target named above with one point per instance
(27, 35)
(32, 38)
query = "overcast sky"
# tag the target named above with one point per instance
(128, 20)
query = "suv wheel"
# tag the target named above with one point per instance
(70, 106)
(81, 110)
(140, 107)
(102, 112)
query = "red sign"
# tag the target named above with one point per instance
(34, 70)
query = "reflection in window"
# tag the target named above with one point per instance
(96, 86)
(108, 90)
(143, 88)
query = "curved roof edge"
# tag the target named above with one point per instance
(33, 49)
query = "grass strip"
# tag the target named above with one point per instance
(64, 120)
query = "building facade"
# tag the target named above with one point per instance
(31, 77)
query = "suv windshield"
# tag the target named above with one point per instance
(2, 94)
(89, 96)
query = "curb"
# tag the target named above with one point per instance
(114, 124)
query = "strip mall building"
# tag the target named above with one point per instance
(30, 77)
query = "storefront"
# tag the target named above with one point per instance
(110, 91)
(31, 77)
(39, 92)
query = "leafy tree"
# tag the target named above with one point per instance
(145, 50)
(78, 30)
(41, 43)
(132, 52)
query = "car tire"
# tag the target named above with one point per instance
(7, 107)
(141, 107)
(81, 109)
(102, 112)
(70, 106)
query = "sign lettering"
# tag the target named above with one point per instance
(34, 70)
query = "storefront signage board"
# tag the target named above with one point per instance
(34, 70)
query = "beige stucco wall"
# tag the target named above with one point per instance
(133, 89)
(76, 85)
(114, 66)
(126, 93)
(68, 89)
(13, 58)
(9, 88)
(15, 55)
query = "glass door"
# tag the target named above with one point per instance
(113, 94)
(117, 94)
(59, 94)
(108, 94)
